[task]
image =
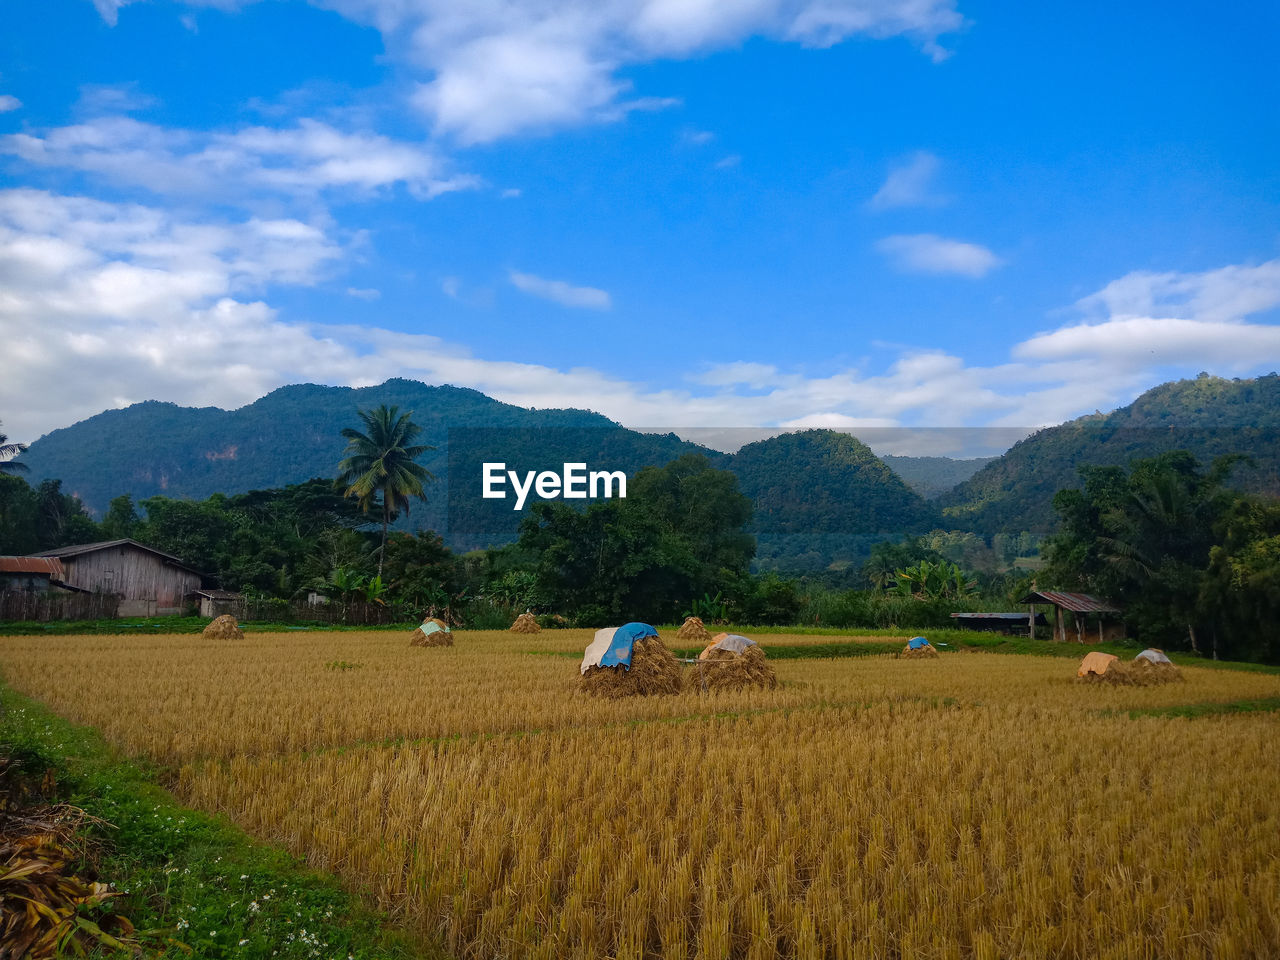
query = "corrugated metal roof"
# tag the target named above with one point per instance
(77, 549)
(47, 566)
(1075, 602)
(990, 616)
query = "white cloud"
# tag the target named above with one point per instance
(364, 293)
(929, 253)
(305, 159)
(9, 102)
(558, 291)
(909, 184)
(116, 303)
(726, 163)
(494, 68)
(510, 193)
(1227, 293)
(1173, 319)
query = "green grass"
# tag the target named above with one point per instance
(128, 625)
(1194, 710)
(194, 877)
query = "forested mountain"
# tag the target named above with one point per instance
(293, 434)
(822, 498)
(807, 484)
(933, 476)
(1208, 416)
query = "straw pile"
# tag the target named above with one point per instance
(726, 670)
(927, 652)
(441, 638)
(654, 670)
(693, 629)
(525, 623)
(1135, 673)
(1154, 672)
(224, 627)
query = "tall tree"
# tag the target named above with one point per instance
(7, 452)
(378, 465)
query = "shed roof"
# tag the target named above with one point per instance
(79, 549)
(217, 594)
(42, 566)
(1022, 617)
(1075, 602)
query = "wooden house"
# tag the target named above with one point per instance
(149, 582)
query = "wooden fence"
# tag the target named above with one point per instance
(353, 613)
(55, 605)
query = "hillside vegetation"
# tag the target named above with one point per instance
(1208, 417)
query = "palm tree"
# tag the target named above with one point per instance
(378, 465)
(7, 452)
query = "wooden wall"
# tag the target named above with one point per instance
(146, 584)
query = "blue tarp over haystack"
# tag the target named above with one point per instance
(624, 638)
(612, 645)
(915, 643)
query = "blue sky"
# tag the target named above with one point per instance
(676, 212)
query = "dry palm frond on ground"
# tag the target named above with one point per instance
(45, 906)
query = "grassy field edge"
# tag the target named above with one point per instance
(194, 876)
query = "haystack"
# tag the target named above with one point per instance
(918, 648)
(693, 629)
(432, 633)
(1155, 666)
(525, 623)
(1098, 667)
(224, 627)
(732, 662)
(652, 668)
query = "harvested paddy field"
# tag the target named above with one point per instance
(969, 806)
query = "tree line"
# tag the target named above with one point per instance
(1193, 562)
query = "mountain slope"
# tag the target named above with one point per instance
(805, 485)
(933, 476)
(1209, 416)
(822, 498)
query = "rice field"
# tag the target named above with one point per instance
(975, 806)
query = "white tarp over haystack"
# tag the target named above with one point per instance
(1155, 656)
(731, 642)
(598, 648)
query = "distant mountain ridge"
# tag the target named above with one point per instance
(814, 491)
(293, 434)
(1209, 416)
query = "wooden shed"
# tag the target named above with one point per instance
(149, 582)
(1081, 606)
(214, 603)
(32, 574)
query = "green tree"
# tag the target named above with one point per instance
(1143, 538)
(61, 518)
(17, 516)
(7, 452)
(122, 520)
(378, 466)
(422, 571)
